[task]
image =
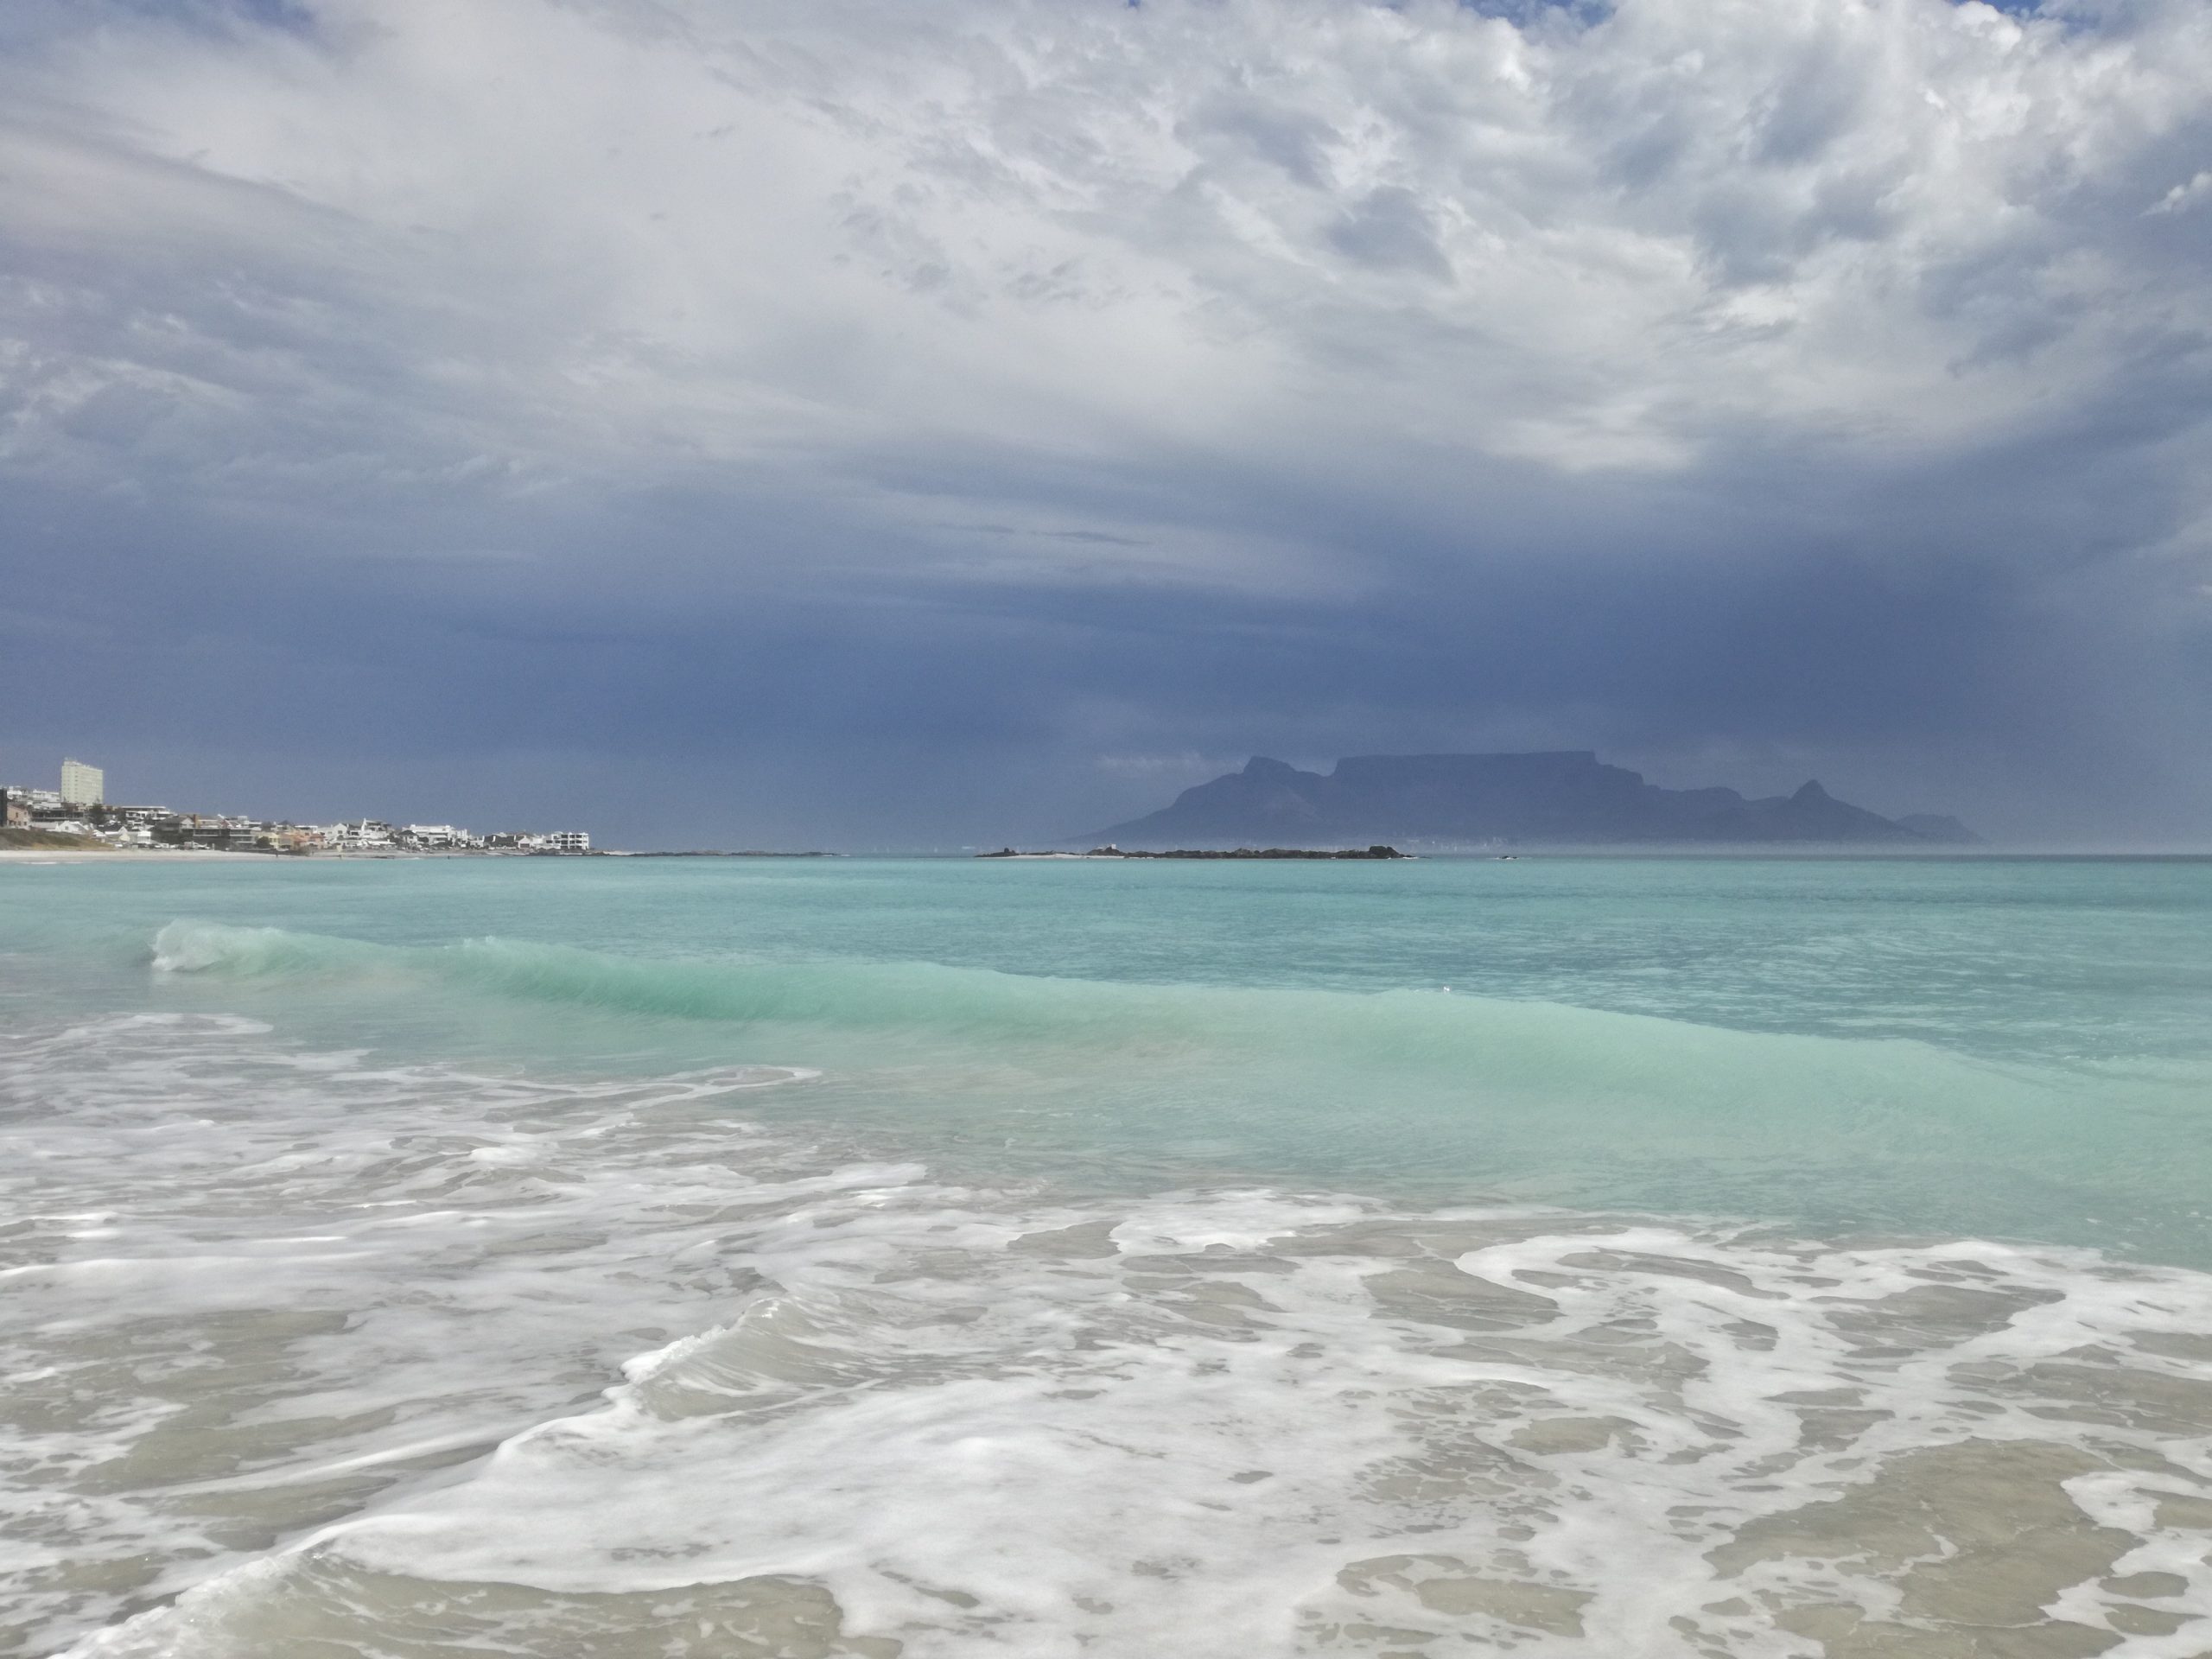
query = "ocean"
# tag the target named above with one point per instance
(1728, 1258)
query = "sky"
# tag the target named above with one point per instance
(875, 423)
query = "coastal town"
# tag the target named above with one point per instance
(79, 811)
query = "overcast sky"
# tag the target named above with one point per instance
(880, 423)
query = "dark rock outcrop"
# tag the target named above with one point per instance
(1566, 797)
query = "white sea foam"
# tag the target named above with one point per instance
(310, 1355)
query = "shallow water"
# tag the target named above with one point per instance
(1739, 1257)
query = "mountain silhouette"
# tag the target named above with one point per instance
(1563, 797)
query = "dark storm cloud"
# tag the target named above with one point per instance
(846, 422)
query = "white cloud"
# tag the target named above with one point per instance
(511, 245)
(2183, 197)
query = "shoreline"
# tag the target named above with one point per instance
(115, 854)
(141, 855)
(174, 855)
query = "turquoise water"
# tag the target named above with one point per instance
(2016, 1047)
(1771, 1259)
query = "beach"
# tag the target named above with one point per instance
(127, 857)
(885, 1257)
(101, 855)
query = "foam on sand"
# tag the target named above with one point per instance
(411, 1361)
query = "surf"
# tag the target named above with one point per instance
(629, 1366)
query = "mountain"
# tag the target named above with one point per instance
(1566, 797)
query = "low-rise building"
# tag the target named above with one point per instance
(152, 826)
(206, 829)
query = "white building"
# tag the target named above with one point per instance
(82, 785)
(435, 835)
(568, 841)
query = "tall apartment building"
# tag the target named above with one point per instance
(82, 785)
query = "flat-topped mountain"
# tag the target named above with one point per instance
(1565, 797)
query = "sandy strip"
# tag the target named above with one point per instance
(116, 855)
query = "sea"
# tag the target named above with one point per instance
(1714, 1258)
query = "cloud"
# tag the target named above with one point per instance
(1390, 227)
(2184, 197)
(1724, 333)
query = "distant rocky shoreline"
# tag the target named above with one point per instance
(1377, 853)
(708, 852)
